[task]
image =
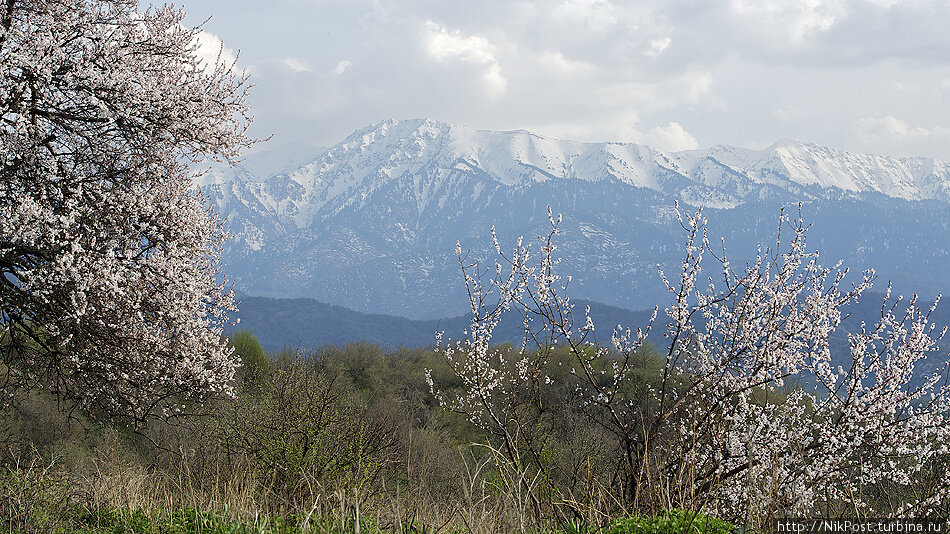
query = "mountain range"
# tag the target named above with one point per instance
(371, 223)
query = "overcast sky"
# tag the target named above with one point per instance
(863, 75)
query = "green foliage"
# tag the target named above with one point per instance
(674, 521)
(179, 521)
(254, 361)
(576, 526)
(303, 428)
(326, 439)
(33, 499)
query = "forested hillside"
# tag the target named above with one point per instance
(307, 323)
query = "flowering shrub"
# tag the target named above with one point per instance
(110, 291)
(720, 430)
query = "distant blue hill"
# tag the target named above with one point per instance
(308, 323)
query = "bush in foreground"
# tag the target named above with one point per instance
(718, 429)
(674, 521)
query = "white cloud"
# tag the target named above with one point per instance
(886, 4)
(295, 65)
(907, 87)
(672, 138)
(211, 51)
(891, 135)
(341, 67)
(787, 113)
(699, 86)
(658, 46)
(795, 20)
(889, 127)
(445, 45)
(596, 14)
(557, 61)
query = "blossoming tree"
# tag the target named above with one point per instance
(751, 417)
(110, 292)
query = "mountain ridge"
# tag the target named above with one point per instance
(371, 223)
(306, 323)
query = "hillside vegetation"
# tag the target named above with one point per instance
(320, 441)
(338, 439)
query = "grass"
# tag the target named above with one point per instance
(178, 521)
(196, 521)
(40, 498)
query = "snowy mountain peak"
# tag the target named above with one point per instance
(427, 152)
(372, 222)
(792, 164)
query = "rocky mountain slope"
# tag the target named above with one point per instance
(371, 223)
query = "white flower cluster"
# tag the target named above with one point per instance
(758, 445)
(110, 286)
(486, 374)
(752, 415)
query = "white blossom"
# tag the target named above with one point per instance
(721, 426)
(110, 288)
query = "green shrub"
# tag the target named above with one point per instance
(254, 361)
(671, 522)
(301, 428)
(33, 498)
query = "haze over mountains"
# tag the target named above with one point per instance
(371, 222)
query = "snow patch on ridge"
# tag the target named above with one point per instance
(436, 157)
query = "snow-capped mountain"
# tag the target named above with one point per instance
(372, 222)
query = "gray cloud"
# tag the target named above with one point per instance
(679, 72)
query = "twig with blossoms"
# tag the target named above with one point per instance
(722, 429)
